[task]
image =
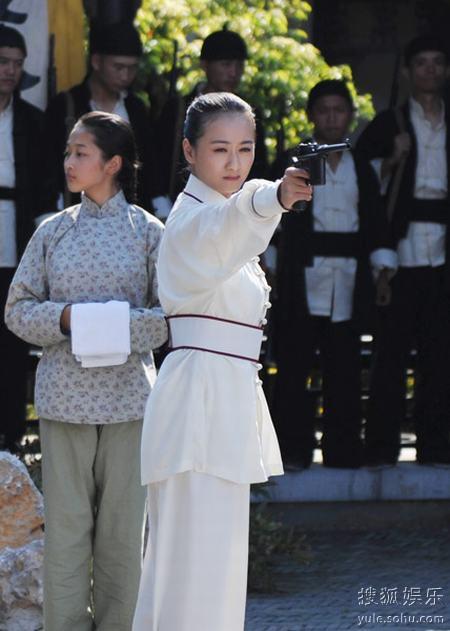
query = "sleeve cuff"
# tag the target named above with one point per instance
(265, 202)
(383, 258)
(162, 205)
(64, 331)
(52, 317)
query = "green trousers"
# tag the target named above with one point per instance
(94, 523)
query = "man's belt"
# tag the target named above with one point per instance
(215, 335)
(430, 210)
(8, 193)
(336, 244)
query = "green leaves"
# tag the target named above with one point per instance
(282, 68)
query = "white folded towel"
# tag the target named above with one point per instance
(101, 333)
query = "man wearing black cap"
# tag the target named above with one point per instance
(114, 56)
(20, 159)
(412, 147)
(223, 74)
(222, 59)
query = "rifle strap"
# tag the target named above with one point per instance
(395, 188)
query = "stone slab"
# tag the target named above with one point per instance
(405, 481)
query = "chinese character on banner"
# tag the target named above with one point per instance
(30, 18)
(412, 595)
(11, 16)
(388, 595)
(367, 595)
(434, 595)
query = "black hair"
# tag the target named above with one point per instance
(114, 137)
(421, 44)
(223, 44)
(329, 87)
(120, 38)
(209, 106)
(11, 38)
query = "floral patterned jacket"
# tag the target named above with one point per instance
(89, 253)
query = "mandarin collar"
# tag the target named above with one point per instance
(8, 111)
(123, 94)
(113, 206)
(202, 192)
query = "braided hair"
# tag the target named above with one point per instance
(114, 137)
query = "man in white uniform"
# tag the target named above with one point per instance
(325, 292)
(412, 147)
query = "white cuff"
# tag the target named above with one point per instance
(265, 202)
(162, 205)
(384, 258)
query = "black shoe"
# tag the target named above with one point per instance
(379, 466)
(296, 464)
(433, 459)
(379, 462)
(349, 458)
(342, 464)
(379, 457)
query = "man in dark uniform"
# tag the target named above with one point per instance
(412, 147)
(222, 58)
(114, 56)
(21, 144)
(325, 292)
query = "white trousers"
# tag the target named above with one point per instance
(195, 568)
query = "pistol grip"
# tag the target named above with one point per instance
(299, 206)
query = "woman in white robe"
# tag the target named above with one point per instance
(207, 430)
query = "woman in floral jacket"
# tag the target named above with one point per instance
(86, 292)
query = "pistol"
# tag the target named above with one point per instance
(312, 157)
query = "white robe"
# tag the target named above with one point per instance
(207, 413)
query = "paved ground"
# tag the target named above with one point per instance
(393, 576)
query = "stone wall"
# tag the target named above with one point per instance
(21, 548)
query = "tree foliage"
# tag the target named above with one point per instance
(282, 68)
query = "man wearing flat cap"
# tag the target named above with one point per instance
(222, 59)
(115, 51)
(412, 148)
(20, 159)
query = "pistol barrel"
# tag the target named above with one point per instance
(305, 151)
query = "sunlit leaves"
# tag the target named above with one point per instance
(282, 68)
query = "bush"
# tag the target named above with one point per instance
(271, 542)
(282, 68)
